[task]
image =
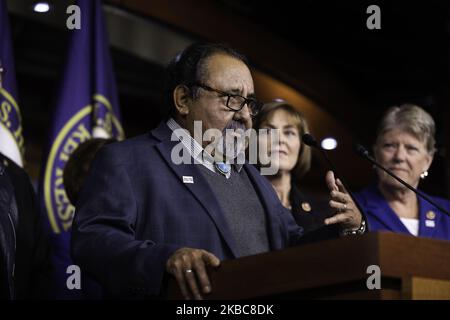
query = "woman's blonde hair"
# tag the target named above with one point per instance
(297, 119)
(412, 119)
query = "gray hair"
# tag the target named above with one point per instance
(412, 119)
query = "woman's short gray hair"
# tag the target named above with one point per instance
(412, 119)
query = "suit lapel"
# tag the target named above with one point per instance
(429, 218)
(379, 207)
(198, 188)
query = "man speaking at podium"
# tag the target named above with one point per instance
(142, 216)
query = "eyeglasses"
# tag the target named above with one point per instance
(235, 102)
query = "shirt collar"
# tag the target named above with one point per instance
(194, 149)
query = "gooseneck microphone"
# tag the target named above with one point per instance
(359, 149)
(309, 140)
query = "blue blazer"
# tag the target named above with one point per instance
(135, 211)
(432, 222)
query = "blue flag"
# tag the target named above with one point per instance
(87, 107)
(11, 139)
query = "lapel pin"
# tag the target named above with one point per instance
(306, 206)
(188, 179)
(430, 223)
(431, 215)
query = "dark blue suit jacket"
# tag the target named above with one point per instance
(432, 222)
(135, 211)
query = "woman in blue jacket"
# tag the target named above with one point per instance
(405, 145)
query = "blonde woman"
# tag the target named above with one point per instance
(293, 160)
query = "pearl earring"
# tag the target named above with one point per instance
(424, 174)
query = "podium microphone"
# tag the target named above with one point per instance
(309, 140)
(359, 149)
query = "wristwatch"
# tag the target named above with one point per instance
(359, 231)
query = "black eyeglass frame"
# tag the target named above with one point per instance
(246, 101)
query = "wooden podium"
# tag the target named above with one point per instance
(411, 268)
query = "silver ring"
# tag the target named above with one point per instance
(345, 207)
(188, 270)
